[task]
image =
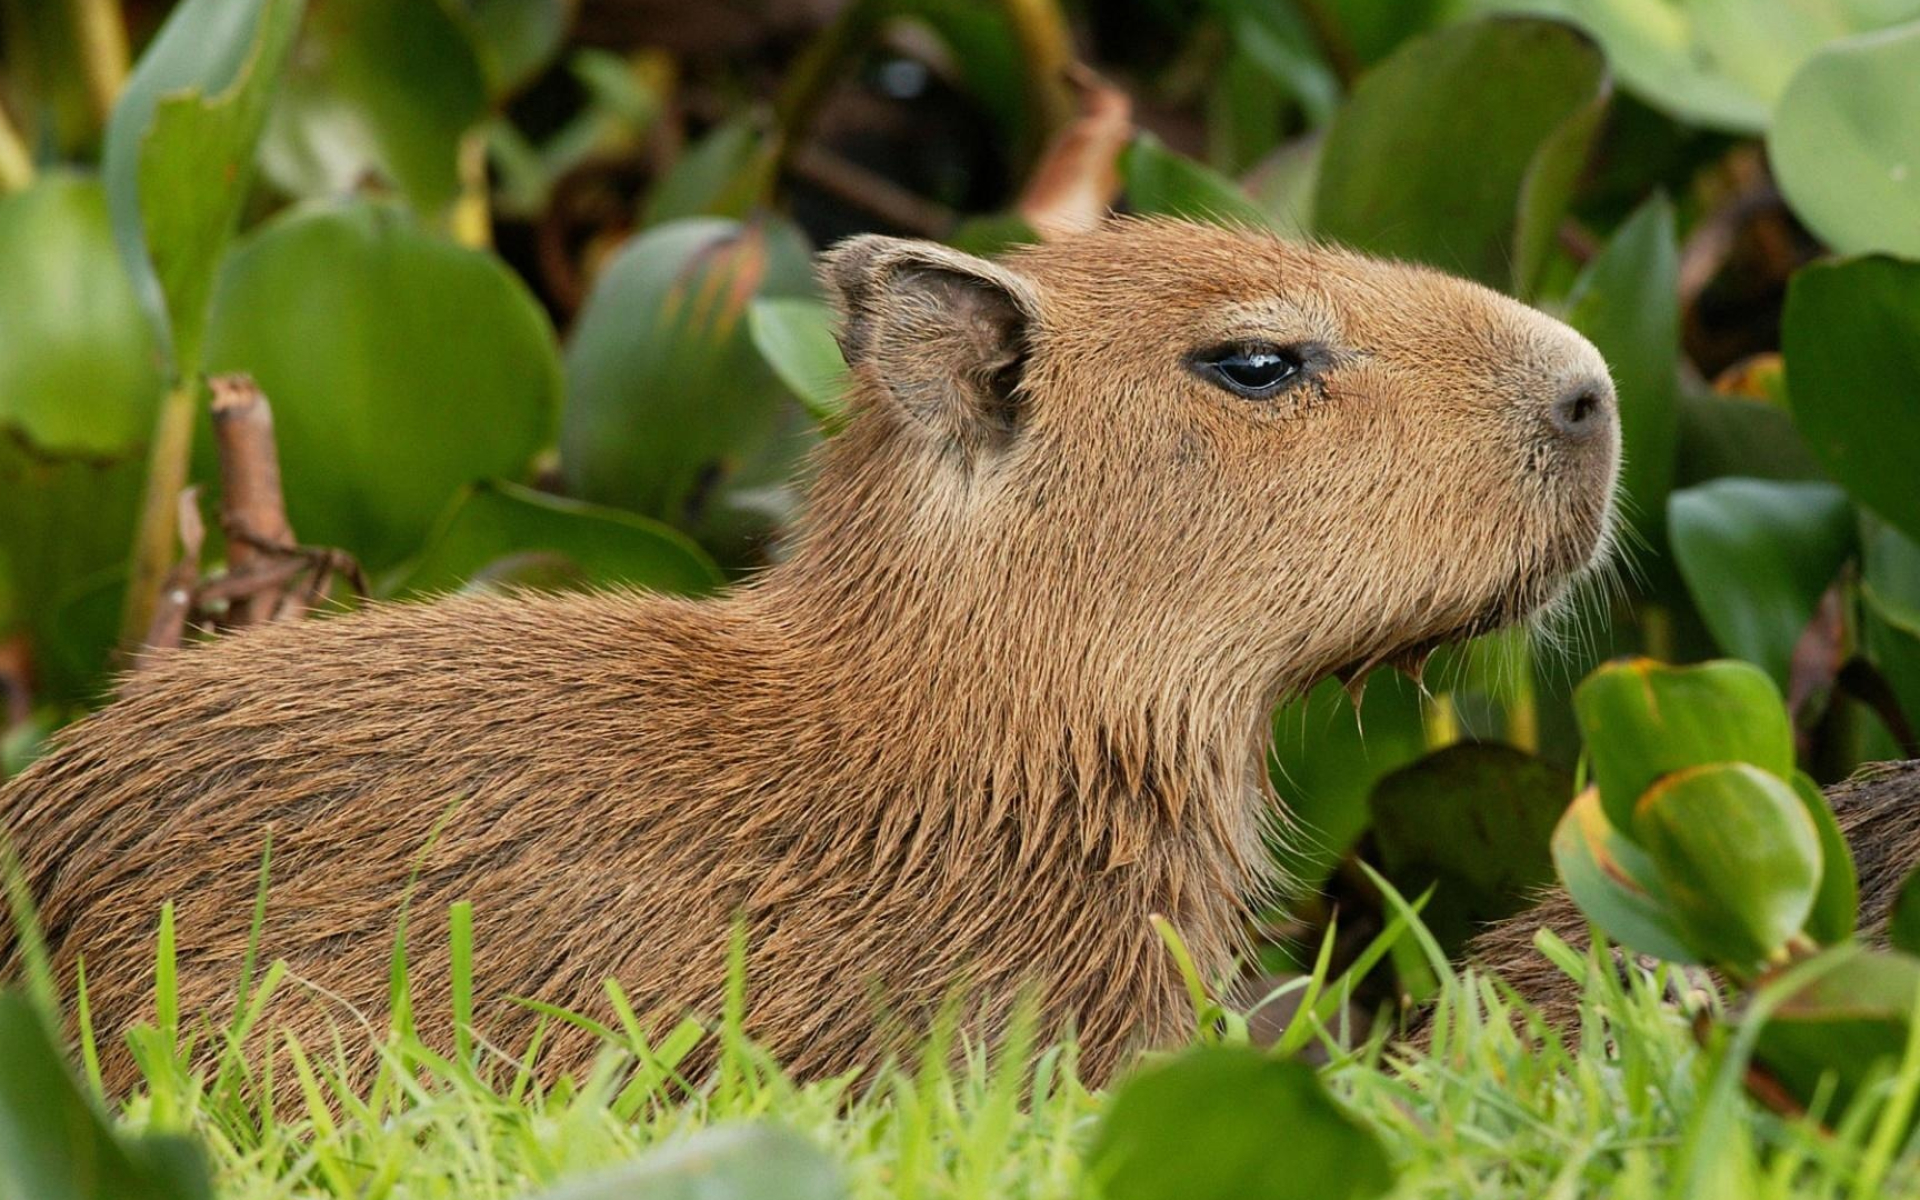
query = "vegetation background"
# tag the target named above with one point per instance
(526, 285)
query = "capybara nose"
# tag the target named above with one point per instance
(1583, 410)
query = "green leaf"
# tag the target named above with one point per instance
(1903, 920)
(1738, 435)
(1890, 609)
(1842, 143)
(79, 383)
(517, 39)
(1784, 542)
(1614, 883)
(1326, 760)
(385, 87)
(179, 154)
(794, 334)
(1836, 907)
(1477, 818)
(725, 174)
(1641, 720)
(669, 411)
(400, 369)
(1737, 855)
(1159, 181)
(1849, 1025)
(1460, 150)
(54, 1144)
(1851, 337)
(1626, 301)
(1232, 1123)
(724, 1162)
(505, 534)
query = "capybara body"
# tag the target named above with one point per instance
(1094, 512)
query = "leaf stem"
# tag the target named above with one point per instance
(153, 540)
(16, 165)
(100, 33)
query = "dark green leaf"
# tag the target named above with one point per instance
(54, 1144)
(400, 369)
(1851, 336)
(1842, 143)
(725, 174)
(1903, 922)
(1783, 542)
(1232, 1123)
(1461, 148)
(1614, 883)
(1738, 858)
(1851, 1023)
(725, 1162)
(1737, 435)
(794, 334)
(1627, 303)
(1641, 719)
(503, 534)
(1159, 181)
(180, 149)
(385, 87)
(517, 38)
(1836, 907)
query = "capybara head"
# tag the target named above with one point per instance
(1213, 451)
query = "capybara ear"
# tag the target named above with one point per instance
(943, 334)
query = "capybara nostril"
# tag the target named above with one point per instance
(1584, 409)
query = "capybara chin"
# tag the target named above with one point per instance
(1096, 509)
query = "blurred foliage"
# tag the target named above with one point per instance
(526, 283)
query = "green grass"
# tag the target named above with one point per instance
(1633, 1104)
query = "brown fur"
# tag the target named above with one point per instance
(1007, 697)
(1879, 811)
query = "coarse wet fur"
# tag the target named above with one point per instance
(1879, 811)
(1005, 699)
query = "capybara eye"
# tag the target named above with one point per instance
(1255, 371)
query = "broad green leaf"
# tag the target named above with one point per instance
(179, 154)
(1890, 609)
(79, 383)
(1157, 180)
(1614, 883)
(1626, 302)
(1641, 720)
(1460, 149)
(724, 1162)
(1738, 858)
(1739, 435)
(1327, 757)
(400, 369)
(1783, 542)
(794, 334)
(1903, 921)
(1836, 907)
(669, 410)
(386, 87)
(1851, 336)
(54, 1145)
(45, 82)
(1233, 1123)
(1718, 63)
(1278, 39)
(504, 534)
(1476, 818)
(1850, 1024)
(725, 174)
(1844, 147)
(517, 38)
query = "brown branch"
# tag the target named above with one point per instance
(853, 184)
(253, 512)
(175, 604)
(1074, 185)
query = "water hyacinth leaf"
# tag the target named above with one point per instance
(1851, 337)
(1903, 920)
(1203, 1127)
(1849, 1025)
(1641, 720)
(1784, 542)
(1157, 180)
(1460, 149)
(794, 334)
(1890, 609)
(725, 1162)
(79, 383)
(1614, 883)
(516, 39)
(179, 154)
(1738, 858)
(1842, 143)
(1836, 906)
(1739, 435)
(55, 1146)
(508, 535)
(386, 87)
(667, 403)
(726, 174)
(1475, 817)
(1626, 301)
(400, 368)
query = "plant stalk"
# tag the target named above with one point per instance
(100, 34)
(16, 165)
(153, 543)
